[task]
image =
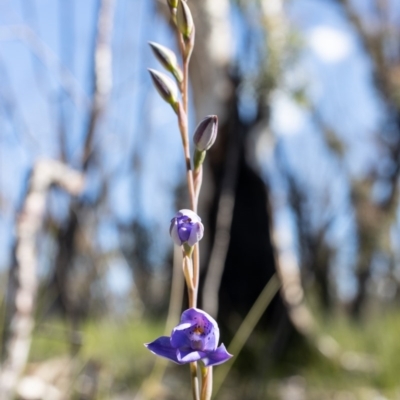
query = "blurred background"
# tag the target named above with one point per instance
(300, 198)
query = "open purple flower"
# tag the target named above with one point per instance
(195, 338)
(186, 227)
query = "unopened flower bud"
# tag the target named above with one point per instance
(186, 228)
(184, 19)
(173, 3)
(165, 87)
(206, 133)
(168, 60)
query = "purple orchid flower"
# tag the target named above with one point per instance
(195, 338)
(186, 227)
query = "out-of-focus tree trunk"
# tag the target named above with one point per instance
(241, 259)
(24, 274)
(315, 254)
(68, 236)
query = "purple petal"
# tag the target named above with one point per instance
(162, 347)
(187, 356)
(196, 233)
(178, 336)
(188, 213)
(210, 342)
(217, 357)
(195, 316)
(173, 231)
(191, 315)
(184, 233)
(183, 325)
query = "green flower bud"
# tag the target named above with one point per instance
(165, 87)
(168, 60)
(206, 133)
(184, 19)
(173, 3)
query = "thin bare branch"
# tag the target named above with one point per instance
(44, 53)
(373, 45)
(102, 73)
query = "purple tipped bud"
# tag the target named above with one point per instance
(184, 19)
(168, 60)
(206, 133)
(165, 87)
(186, 227)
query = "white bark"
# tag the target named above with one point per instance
(211, 58)
(45, 173)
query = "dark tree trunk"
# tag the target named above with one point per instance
(250, 261)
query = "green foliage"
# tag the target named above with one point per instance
(368, 365)
(118, 348)
(49, 340)
(376, 337)
(121, 346)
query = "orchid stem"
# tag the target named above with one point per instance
(195, 381)
(185, 85)
(188, 273)
(196, 261)
(206, 383)
(183, 127)
(196, 252)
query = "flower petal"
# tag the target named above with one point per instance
(179, 337)
(195, 316)
(183, 325)
(188, 213)
(210, 342)
(162, 347)
(217, 356)
(184, 232)
(187, 356)
(191, 316)
(196, 233)
(173, 231)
